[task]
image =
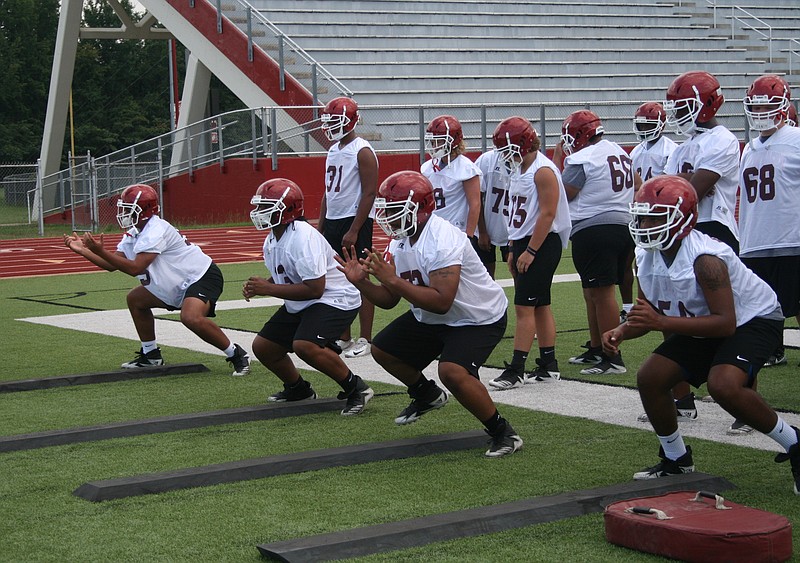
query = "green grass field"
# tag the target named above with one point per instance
(40, 519)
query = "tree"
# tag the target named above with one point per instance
(27, 39)
(120, 88)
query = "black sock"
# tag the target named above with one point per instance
(495, 423)
(418, 389)
(547, 354)
(349, 382)
(297, 384)
(519, 358)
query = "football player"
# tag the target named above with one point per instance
(649, 158)
(538, 230)
(346, 212)
(709, 159)
(599, 180)
(319, 303)
(493, 220)
(455, 178)
(723, 322)
(457, 312)
(650, 155)
(769, 200)
(174, 275)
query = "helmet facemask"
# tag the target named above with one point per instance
(568, 143)
(388, 214)
(263, 216)
(685, 124)
(647, 134)
(769, 119)
(663, 235)
(128, 213)
(438, 146)
(335, 126)
(509, 154)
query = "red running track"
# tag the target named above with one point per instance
(49, 256)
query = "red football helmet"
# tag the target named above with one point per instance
(578, 129)
(513, 138)
(669, 200)
(339, 117)
(649, 121)
(443, 135)
(694, 97)
(278, 202)
(135, 205)
(405, 199)
(791, 116)
(771, 94)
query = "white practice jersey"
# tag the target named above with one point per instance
(479, 300)
(302, 253)
(609, 180)
(494, 187)
(715, 150)
(524, 208)
(649, 161)
(448, 188)
(769, 199)
(675, 291)
(178, 265)
(342, 179)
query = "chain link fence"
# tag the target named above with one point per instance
(86, 191)
(17, 191)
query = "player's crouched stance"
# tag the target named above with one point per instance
(724, 323)
(174, 274)
(319, 303)
(458, 312)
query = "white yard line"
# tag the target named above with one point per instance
(602, 403)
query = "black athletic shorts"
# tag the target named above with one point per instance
(748, 348)
(489, 256)
(207, 289)
(719, 231)
(418, 344)
(532, 289)
(600, 254)
(782, 273)
(334, 230)
(319, 323)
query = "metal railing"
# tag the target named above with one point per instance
(86, 188)
(746, 25)
(792, 52)
(291, 58)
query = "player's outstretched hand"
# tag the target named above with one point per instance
(644, 316)
(73, 242)
(255, 285)
(611, 339)
(376, 264)
(351, 266)
(92, 243)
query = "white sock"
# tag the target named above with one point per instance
(627, 307)
(673, 445)
(149, 346)
(784, 434)
(230, 350)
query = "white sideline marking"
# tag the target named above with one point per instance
(602, 403)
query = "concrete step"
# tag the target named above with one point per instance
(499, 56)
(506, 17)
(370, 39)
(490, 31)
(362, 70)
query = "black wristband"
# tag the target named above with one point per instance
(530, 251)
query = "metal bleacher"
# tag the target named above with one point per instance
(612, 54)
